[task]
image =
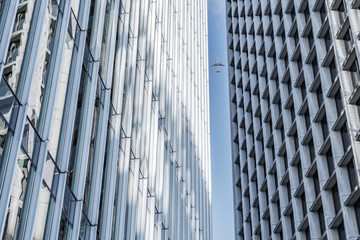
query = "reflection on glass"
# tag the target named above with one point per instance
(67, 215)
(84, 76)
(19, 21)
(92, 143)
(7, 102)
(43, 58)
(84, 228)
(48, 188)
(61, 93)
(13, 52)
(42, 209)
(18, 189)
(17, 43)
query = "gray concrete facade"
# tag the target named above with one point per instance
(294, 85)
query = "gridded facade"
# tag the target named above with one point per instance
(295, 103)
(104, 120)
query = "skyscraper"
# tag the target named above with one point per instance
(294, 103)
(104, 120)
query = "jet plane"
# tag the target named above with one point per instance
(218, 65)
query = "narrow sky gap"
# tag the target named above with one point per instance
(222, 195)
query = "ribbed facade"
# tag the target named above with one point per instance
(295, 102)
(104, 120)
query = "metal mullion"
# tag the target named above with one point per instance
(159, 180)
(137, 118)
(150, 225)
(142, 216)
(144, 162)
(127, 121)
(122, 189)
(159, 189)
(18, 116)
(174, 202)
(180, 224)
(117, 99)
(7, 19)
(30, 204)
(102, 126)
(152, 168)
(86, 117)
(67, 125)
(132, 198)
(165, 192)
(141, 213)
(178, 209)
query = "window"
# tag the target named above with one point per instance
(296, 141)
(342, 12)
(307, 119)
(323, 12)
(307, 233)
(282, 133)
(19, 21)
(13, 52)
(357, 212)
(267, 196)
(278, 209)
(288, 84)
(296, 37)
(328, 40)
(280, 14)
(321, 220)
(339, 103)
(311, 39)
(345, 137)
(353, 178)
(279, 106)
(292, 223)
(293, 14)
(330, 162)
(292, 112)
(311, 150)
(300, 174)
(303, 90)
(315, 66)
(276, 180)
(288, 191)
(283, 38)
(333, 70)
(316, 184)
(307, 13)
(348, 40)
(303, 204)
(355, 76)
(341, 230)
(319, 95)
(286, 56)
(285, 160)
(299, 62)
(336, 198)
(324, 127)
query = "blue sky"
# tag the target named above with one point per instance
(222, 195)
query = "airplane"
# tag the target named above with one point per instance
(218, 65)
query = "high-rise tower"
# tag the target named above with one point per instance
(104, 120)
(294, 102)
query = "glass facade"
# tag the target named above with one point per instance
(104, 120)
(294, 104)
